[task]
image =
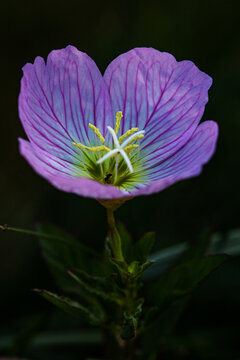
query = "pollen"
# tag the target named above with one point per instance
(92, 148)
(119, 116)
(131, 147)
(128, 133)
(97, 132)
(137, 138)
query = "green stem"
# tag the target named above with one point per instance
(114, 237)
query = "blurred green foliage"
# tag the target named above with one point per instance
(135, 317)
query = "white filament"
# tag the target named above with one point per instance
(131, 138)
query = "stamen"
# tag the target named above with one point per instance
(97, 132)
(138, 137)
(130, 147)
(119, 115)
(92, 149)
(108, 155)
(120, 147)
(128, 133)
(132, 138)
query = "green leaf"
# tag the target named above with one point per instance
(126, 242)
(170, 294)
(182, 279)
(103, 288)
(121, 266)
(228, 243)
(142, 248)
(138, 252)
(64, 253)
(160, 324)
(70, 338)
(91, 315)
(164, 259)
(57, 338)
(147, 264)
(130, 322)
(197, 250)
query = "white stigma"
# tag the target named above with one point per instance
(119, 148)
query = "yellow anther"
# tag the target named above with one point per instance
(100, 148)
(128, 133)
(119, 115)
(97, 132)
(93, 148)
(130, 147)
(137, 138)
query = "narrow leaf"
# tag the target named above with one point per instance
(182, 279)
(126, 242)
(73, 307)
(197, 250)
(228, 243)
(99, 286)
(62, 255)
(160, 324)
(142, 248)
(130, 322)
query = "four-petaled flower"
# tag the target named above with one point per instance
(68, 111)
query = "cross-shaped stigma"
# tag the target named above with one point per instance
(120, 147)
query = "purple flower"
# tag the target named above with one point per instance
(133, 131)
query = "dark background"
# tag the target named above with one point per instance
(206, 32)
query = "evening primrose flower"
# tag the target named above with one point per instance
(131, 132)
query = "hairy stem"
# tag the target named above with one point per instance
(114, 237)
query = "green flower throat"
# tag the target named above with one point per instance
(120, 165)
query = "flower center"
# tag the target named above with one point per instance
(117, 164)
